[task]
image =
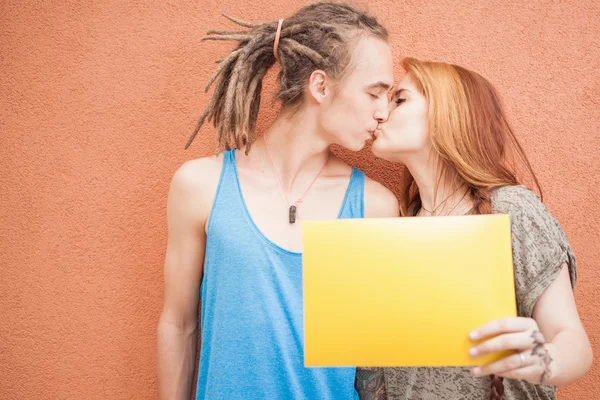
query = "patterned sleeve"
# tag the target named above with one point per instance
(540, 247)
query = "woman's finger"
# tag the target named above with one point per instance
(509, 341)
(531, 373)
(505, 325)
(510, 363)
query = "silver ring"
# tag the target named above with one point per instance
(522, 357)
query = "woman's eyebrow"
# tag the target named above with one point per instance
(397, 92)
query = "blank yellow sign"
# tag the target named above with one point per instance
(404, 291)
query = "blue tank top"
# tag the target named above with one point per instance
(252, 320)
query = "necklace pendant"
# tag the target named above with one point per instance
(292, 214)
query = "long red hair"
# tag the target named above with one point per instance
(470, 134)
(472, 140)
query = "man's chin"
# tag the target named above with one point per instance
(358, 145)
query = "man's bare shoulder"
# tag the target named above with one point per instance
(380, 202)
(194, 184)
(199, 172)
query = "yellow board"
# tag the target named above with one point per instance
(404, 291)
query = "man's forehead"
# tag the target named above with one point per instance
(373, 58)
(374, 78)
(380, 85)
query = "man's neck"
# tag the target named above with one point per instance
(295, 147)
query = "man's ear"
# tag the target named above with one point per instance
(318, 85)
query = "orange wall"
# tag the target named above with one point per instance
(97, 100)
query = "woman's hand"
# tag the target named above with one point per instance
(532, 361)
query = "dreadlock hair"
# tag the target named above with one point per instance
(318, 36)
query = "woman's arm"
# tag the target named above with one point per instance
(552, 347)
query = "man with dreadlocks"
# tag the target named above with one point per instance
(234, 231)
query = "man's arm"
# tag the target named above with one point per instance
(188, 207)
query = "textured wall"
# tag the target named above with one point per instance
(97, 100)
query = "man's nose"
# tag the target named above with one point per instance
(382, 114)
